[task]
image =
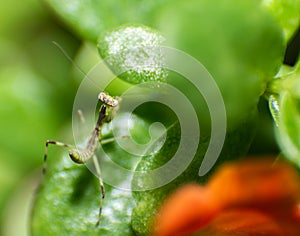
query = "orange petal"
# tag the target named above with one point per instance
(184, 212)
(256, 183)
(270, 191)
(246, 222)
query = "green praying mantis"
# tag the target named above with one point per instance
(82, 155)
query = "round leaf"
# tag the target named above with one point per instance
(132, 52)
(68, 204)
(236, 144)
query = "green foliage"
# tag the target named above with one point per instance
(68, 204)
(132, 53)
(285, 108)
(241, 45)
(241, 55)
(149, 201)
(32, 77)
(286, 13)
(289, 127)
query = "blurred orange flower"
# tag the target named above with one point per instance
(249, 197)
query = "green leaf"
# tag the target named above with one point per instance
(68, 203)
(287, 13)
(215, 34)
(288, 132)
(147, 202)
(131, 51)
(89, 18)
(284, 103)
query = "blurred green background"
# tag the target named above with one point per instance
(36, 97)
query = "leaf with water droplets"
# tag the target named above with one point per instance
(133, 53)
(274, 108)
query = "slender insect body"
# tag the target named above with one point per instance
(81, 156)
